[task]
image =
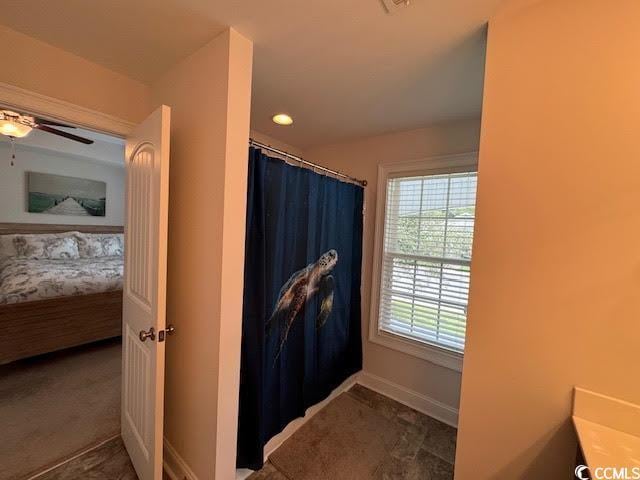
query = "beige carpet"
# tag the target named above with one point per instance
(58, 404)
(346, 439)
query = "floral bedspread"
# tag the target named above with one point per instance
(24, 280)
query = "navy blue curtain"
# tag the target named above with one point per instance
(301, 318)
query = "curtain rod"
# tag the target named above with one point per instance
(306, 162)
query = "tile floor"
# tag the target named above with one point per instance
(425, 450)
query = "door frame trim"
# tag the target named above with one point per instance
(55, 108)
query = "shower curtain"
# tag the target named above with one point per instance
(301, 313)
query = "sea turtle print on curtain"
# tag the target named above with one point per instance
(301, 286)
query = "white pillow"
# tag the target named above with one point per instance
(113, 245)
(47, 245)
(91, 245)
(64, 247)
(7, 248)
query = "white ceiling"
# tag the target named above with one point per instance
(341, 68)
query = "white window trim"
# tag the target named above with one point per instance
(429, 166)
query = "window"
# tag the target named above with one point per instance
(424, 260)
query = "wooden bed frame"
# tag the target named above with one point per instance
(43, 326)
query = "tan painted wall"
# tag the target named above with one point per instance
(36, 66)
(209, 93)
(555, 278)
(360, 158)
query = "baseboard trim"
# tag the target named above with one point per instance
(174, 465)
(418, 401)
(169, 471)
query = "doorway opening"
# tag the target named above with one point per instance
(62, 218)
(73, 285)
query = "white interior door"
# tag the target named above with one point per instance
(145, 275)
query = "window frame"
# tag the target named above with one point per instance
(458, 163)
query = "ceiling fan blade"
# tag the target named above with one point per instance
(70, 136)
(44, 121)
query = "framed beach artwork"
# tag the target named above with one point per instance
(60, 195)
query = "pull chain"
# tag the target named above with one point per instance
(13, 150)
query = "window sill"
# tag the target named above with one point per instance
(430, 353)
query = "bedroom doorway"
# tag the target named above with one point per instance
(66, 353)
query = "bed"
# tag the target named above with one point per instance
(54, 295)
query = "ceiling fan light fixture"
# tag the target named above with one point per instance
(13, 124)
(14, 129)
(18, 125)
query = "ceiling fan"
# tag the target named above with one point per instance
(18, 125)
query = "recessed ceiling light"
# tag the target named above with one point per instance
(282, 119)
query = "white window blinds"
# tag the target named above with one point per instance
(426, 258)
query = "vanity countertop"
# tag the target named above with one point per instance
(608, 430)
(603, 446)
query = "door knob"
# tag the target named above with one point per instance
(150, 334)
